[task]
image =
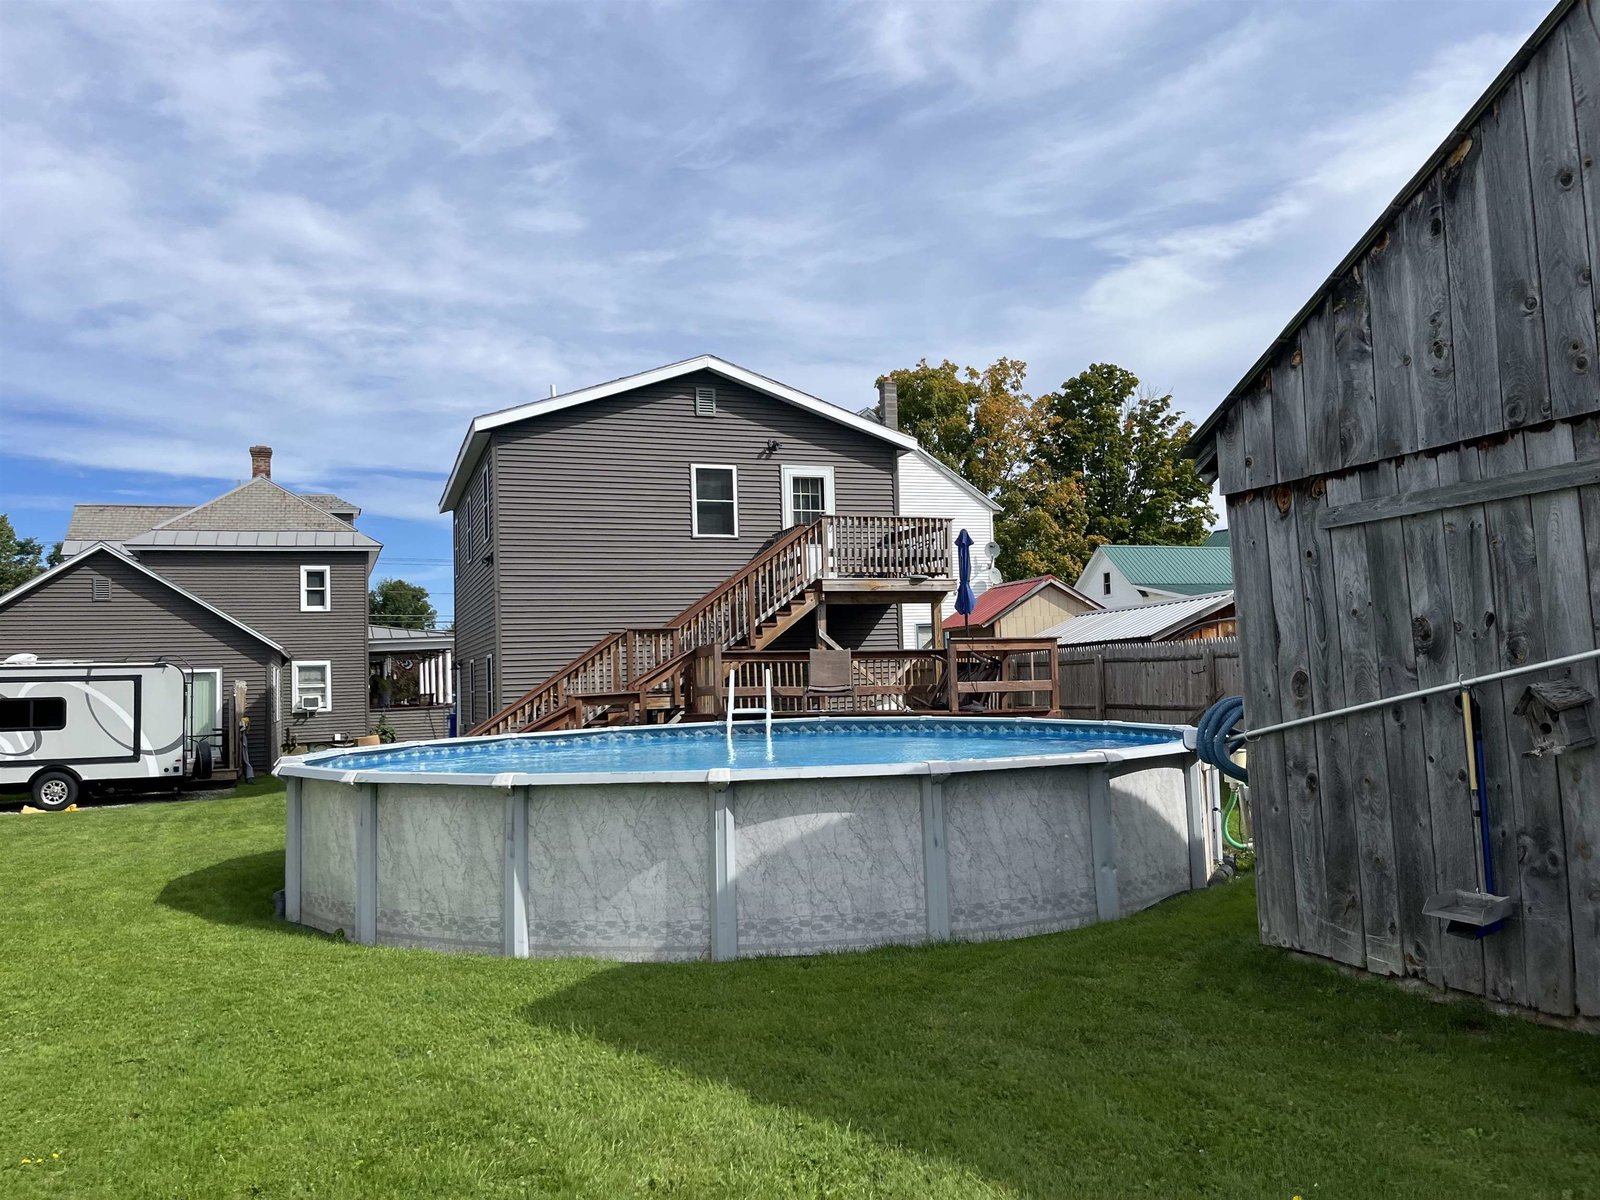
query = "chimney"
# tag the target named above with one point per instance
(260, 462)
(888, 403)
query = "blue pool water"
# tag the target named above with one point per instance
(794, 745)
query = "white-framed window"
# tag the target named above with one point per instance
(488, 685)
(1105, 584)
(922, 635)
(316, 589)
(488, 542)
(464, 521)
(715, 500)
(313, 682)
(807, 494)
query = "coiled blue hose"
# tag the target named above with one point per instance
(1214, 738)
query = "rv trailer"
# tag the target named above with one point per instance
(65, 726)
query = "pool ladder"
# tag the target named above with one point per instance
(763, 711)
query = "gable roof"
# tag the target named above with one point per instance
(478, 432)
(1000, 599)
(1138, 622)
(328, 502)
(114, 522)
(258, 506)
(84, 555)
(1202, 443)
(1186, 570)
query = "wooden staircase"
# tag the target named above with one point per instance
(636, 675)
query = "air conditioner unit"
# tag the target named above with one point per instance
(310, 704)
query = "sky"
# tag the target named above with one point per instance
(345, 229)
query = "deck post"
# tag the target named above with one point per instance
(293, 850)
(1103, 845)
(367, 866)
(950, 676)
(724, 869)
(514, 921)
(935, 858)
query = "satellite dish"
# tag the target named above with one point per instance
(995, 578)
(992, 550)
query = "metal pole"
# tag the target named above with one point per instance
(1440, 689)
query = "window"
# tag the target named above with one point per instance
(716, 501)
(464, 520)
(315, 595)
(33, 713)
(488, 544)
(1105, 584)
(922, 635)
(488, 686)
(99, 589)
(705, 402)
(807, 494)
(313, 687)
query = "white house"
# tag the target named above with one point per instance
(928, 488)
(1119, 576)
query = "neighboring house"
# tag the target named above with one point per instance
(1193, 618)
(412, 683)
(259, 585)
(1217, 537)
(617, 506)
(1119, 576)
(928, 488)
(1024, 608)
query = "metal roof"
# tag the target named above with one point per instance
(1139, 622)
(478, 432)
(1186, 570)
(394, 637)
(1201, 444)
(249, 539)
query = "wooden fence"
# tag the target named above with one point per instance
(1148, 681)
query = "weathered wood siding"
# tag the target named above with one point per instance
(262, 589)
(1148, 681)
(593, 516)
(1460, 350)
(142, 620)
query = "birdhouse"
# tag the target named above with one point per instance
(1560, 717)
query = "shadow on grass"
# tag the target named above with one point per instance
(237, 891)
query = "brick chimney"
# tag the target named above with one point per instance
(888, 403)
(260, 462)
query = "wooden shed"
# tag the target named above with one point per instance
(1412, 478)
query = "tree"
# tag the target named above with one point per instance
(396, 602)
(19, 557)
(1123, 444)
(975, 422)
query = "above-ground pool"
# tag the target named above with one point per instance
(686, 842)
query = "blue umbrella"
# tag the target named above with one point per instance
(965, 600)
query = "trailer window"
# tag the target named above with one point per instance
(33, 713)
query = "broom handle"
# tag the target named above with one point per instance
(1474, 785)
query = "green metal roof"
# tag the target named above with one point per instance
(1217, 537)
(1184, 570)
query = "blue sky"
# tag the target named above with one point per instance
(343, 229)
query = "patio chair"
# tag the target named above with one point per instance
(829, 674)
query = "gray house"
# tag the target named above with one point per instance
(618, 506)
(259, 586)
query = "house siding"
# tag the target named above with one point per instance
(142, 620)
(262, 589)
(477, 626)
(926, 492)
(1123, 594)
(594, 515)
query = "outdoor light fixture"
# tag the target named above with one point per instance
(773, 446)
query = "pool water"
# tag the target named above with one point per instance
(792, 745)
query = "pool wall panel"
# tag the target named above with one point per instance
(828, 864)
(330, 814)
(1019, 852)
(1150, 811)
(420, 827)
(620, 871)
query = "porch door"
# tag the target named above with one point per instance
(205, 712)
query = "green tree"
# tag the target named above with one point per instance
(973, 421)
(19, 557)
(396, 602)
(1123, 445)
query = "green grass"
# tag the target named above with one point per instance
(166, 1038)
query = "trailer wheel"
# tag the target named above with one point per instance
(54, 790)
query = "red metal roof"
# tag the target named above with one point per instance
(1003, 597)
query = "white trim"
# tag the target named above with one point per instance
(790, 472)
(96, 548)
(327, 686)
(477, 433)
(694, 499)
(216, 719)
(327, 588)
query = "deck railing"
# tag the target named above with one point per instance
(638, 660)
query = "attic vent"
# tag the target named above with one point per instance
(705, 402)
(99, 588)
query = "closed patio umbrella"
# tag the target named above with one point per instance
(965, 600)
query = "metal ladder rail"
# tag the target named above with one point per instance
(749, 712)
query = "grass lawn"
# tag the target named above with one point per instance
(164, 1037)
